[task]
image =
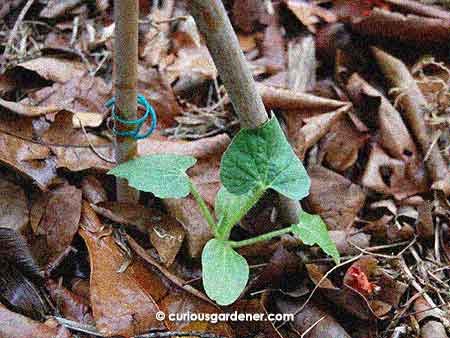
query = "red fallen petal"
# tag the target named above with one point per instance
(360, 281)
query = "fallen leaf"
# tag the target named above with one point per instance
(264, 329)
(273, 50)
(341, 145)
(13, 207)
(27, 158)
(28, 110)
(166, 234)
(60, 220)
(248, 12)
(20, 279)
(312, 318)
(15, 325)
(336, 199)
(282, 264)
(72, 149)
(433, 329)
(192, 62)
(55, 69)
(425, 224)
(93, 190)
(156, 88)
(310, 14)
(406, 28)
(392, 176)
(82, 94)
(70, 305)
(55, 8)
(394, 135)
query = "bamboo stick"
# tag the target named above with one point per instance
(126, 15)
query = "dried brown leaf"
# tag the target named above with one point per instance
(320, 323)
(14, 325)
(334, 197)
(55, 8)
(55, 69)
(13, 207)
(92, 189)
(60, 220)
(310, 14)
(70, 305)
(410, 28)
(71, 146)
(392, 176)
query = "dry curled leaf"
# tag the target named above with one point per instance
(406, 28)
(93, 190)
(391, 176)
(310, 14)
(26, 158)
(336, 199)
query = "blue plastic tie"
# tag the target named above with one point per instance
(149, 112)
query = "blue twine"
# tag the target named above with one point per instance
(149, 111)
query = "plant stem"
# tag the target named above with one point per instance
(212, 20)
(126, 15)
(224, 234)
(203, 207)
(264, 237)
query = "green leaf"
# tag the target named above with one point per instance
(263, 158)
(163, 175)
(224, 272)
(312, 230)
(231, 208)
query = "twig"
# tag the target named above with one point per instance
(213, 22)
(369, 251)
(89, 329)
(126, 15)
(312, 326)
(19, 20)
(93, 148)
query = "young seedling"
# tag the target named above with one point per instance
(256, 160)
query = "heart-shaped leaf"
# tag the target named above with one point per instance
(263, 158)
(163, 175)
(225, 272)
(230, 209)
(312, 230)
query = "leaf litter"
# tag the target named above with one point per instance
(365, 104)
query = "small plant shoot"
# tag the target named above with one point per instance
(256, 160)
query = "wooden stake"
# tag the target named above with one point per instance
(222, 42)
(126, 16)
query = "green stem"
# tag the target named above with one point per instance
(264, 237)
(225, 233)
(203, 207)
